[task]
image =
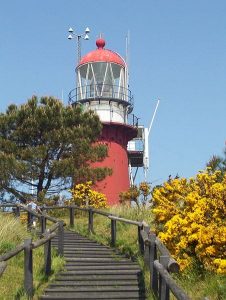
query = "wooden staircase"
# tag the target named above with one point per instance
(94, 271)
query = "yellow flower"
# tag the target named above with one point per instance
(190, 219)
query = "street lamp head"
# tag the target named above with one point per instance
(86, 37)
(70, 37)
(87, 30)
(70, 30)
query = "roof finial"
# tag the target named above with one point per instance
(100, 42)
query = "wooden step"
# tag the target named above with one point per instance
(95, 277)
(109, 282)
(101, 272)
(89, 289)
(94, 271)
(95, 295)
(104, 267)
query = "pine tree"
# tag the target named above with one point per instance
(217, 162)
(47, 147)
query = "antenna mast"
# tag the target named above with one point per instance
(153, 117)
(146, 142)
(127, 56)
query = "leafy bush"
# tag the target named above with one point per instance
(190, 217)
(83, 195)
(137, 194)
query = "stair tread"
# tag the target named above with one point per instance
(94, 271)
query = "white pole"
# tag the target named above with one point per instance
(146, 142)
(153, 117)
(127, 57)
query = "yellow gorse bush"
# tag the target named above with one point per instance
(83, 195)
(190, 217)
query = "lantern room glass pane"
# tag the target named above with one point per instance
(101, 79)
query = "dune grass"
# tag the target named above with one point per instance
(13, 233)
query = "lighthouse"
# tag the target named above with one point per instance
(102, 86)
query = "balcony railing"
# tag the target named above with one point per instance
(101, 91)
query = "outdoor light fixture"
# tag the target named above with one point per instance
(84, 36)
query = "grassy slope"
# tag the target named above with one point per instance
(12, 233)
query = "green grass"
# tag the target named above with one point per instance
(201, 284)
(13, 233)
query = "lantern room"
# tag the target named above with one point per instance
(102, 84)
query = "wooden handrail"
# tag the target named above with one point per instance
(161, 247)
(125, 220)
(102, 213)
(12, 253)
(175, 289)
(52, 207)
(28, 246)
(42, 241)
(3, 266)
(31, 211)
(145, 237)
(50, 218)
(53, 228)
(8, 205)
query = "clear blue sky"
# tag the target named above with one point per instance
(177, 53)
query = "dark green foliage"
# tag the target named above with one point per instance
(46, 146)
(218, 163)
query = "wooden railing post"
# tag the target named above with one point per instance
(113, 232)
(140, 240)
(3, 266)
(72, 215)
(147, 248)
(152, 258)
(28, 268)
(90, 224)
(61, 238)
(163, 288)
(43, 223)
(29, 220)
(47, 256)
(17, 211)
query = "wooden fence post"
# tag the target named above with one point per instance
(28, 268)
(17, 212)
(47, 256)
(147, 248)
(43, 223)
(29, 220)
(90, 224)
(153, 257)
(140, 240)
(61, 238)
(113, 232)
(72, 215)
(163, 288)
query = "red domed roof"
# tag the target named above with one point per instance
(102, 55)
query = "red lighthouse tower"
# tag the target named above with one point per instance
(101, 85)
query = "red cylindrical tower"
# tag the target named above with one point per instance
(102, 86)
